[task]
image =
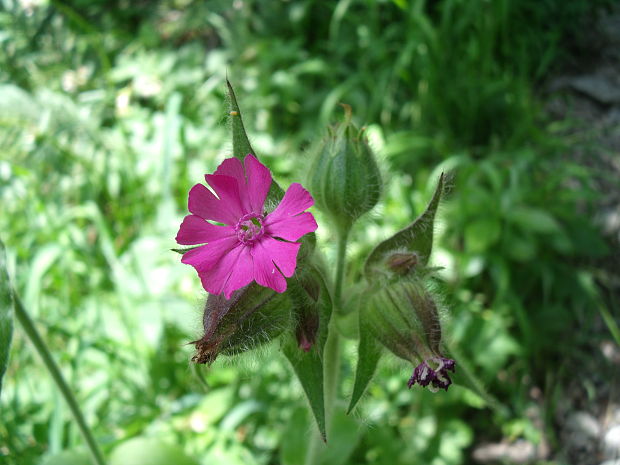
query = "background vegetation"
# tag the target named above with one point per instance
(111, 110)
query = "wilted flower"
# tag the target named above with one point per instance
(248, 243)
(433, 372)
(403, 316)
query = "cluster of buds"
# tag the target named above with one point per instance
(397, 307)
(254, 251)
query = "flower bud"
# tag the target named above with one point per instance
(307, 329)
(401, 263)
(252, 316)
(403, 316)
(305, 299)
(344, 178)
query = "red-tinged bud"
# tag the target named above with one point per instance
(401, 263)
(307, 330)
(252, 316)
(305, 299)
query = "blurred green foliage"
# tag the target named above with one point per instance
(110, 111)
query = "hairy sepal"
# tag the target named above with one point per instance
(417, 238)
(252, 316)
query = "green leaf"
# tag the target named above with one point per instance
(241, 143)
(417, 237)
(242, 146)
(308, 366)
(6, 315)
(182, 250)
(369, 353)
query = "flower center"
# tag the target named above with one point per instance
(250, 228)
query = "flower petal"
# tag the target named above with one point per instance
(195, 230)
(227, 189)
(265, 271)
(203, 203)
(215, 280)
(283, 254)
(242, 272)
(295, 200)
(207, 256)
(291, 228)
(234, 168)
(259, 182)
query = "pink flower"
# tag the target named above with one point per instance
(251, 244)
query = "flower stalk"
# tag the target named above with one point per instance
(61, 383)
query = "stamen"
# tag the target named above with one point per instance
(250, 228)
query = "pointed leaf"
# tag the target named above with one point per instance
(369, 353)
(6, 315)
(417, 237)
(182, 250)
(241, 143)
(308, 366)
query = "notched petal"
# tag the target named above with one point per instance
(295, 200)
(259, 182)
(291, 228)
(195, 230)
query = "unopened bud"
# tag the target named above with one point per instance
(307, 330)
(305, 299)
(344, 180)
(252, 316)
(402, 263)
(403, 316)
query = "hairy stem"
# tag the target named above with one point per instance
(52, 367)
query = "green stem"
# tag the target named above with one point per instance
(332, 346)
(331, 371)
(340, 265)
(331, 353)
(52, 367)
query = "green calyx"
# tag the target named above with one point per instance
(253, 316)
(402, 314)
(344, 177)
